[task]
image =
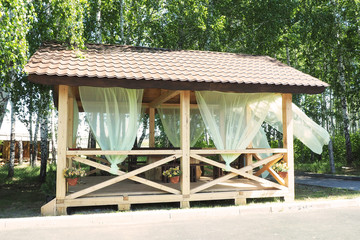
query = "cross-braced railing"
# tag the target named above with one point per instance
(265, 164)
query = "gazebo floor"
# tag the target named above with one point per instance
(128, 192)
(129, 188)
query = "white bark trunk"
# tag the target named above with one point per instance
(21, 152)
(349, 156)
(98, 22)
(331, 157)
(12, 143)
(4, 97)
(35, 152)
(122, 22)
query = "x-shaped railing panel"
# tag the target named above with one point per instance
(122, 176)
(242, 172)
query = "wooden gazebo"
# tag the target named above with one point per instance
(167, 77)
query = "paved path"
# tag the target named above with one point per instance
(333, 223)
(328, 182)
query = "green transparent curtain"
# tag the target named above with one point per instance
(170, 119)
(114, 118)
(234, 121)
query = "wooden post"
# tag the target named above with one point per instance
(62, 145)
(185, 147)
(249, 156)
(288, 129)
(151, 127)
(70, 125)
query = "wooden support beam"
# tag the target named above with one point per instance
(62, 145)
(257, 156)
(119, 152)
(241, 171)
(240, 151)
(276, 176)
(185, 142)
(240, 201)
(152, 127)
(70, 125)
(70, 120)
(163, 98)
(268, 165)
(124, 207)
(288, 139)
(122, 176)
(92, 172)
(228, 176)
(100, 160)
(249, 157)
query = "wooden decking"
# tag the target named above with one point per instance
(128, 187)
(128, 192)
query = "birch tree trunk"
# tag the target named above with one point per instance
(21, 152)
(122, 22)
(4, 97)
(145, 127)
(35, 144)
(30, 128)
(349, 156)
(12, 143)
(44, 130)
(98, 22)
(331, 157)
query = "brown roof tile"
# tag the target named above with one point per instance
(149, 64)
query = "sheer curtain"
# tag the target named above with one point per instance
(113, 115)
(233, 119)
(170, 119)
(75, 122)
(305, 129)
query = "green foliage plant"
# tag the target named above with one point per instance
(74, 172)
(280, 167)
(172, 172)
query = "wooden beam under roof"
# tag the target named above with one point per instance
(163, 98)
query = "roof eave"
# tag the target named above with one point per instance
(174, 85)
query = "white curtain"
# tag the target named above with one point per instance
(233, 119)
(113, 115)
(170, 119)
(75, 122)
(305, 129)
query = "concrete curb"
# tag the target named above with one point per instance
(318, 175)
(144, 217)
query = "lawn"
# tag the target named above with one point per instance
(21, 196)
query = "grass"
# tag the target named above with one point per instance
(20, 196)
(324, 167)
(312, 193)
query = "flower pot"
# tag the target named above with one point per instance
(282, 174)
(72, 181)
(175, 179)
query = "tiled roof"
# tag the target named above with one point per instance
(149, 64)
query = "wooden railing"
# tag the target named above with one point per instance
(266, 163)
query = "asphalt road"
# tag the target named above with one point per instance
(334, 223)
